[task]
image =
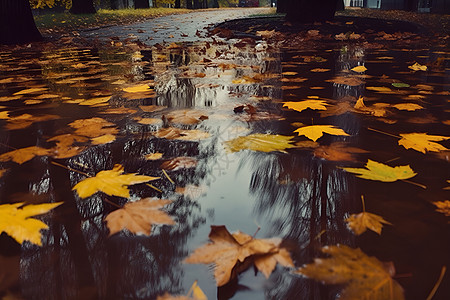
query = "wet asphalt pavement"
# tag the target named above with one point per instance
(173, 28)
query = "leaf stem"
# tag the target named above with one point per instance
(436, 286)
(415, 183)
(153, 187)
(256, 232)
(167, 175)
(363, 204)
(386, 133)
(112, 203)
(70, 169)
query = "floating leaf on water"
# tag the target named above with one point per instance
(320, 70)
(25, 154)
(359, 223)
(154, 156)
(380, 89)
(137, 88)
(186, 116)
(149, 121)
(100, 101)
(337, 152)
(381, 172)
(119, 111)
(418, 67)
(400, 85)
(30, 91)
(25, 120)
(359, 69)
(93, 127)
(103, 139)
(4, 115)
(195, 293)
(227, 251)
(422, 142)
(260, 142)
(314, 132)
(365, 277)
(173, 133)
(151, 108)
(443, 207)
(347, 80)
(111, 182)
(182, 162)
(16, 221)
(138, 217)
(407, 106)
(2, 171)
(302, 105)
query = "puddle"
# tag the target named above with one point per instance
(185, 101)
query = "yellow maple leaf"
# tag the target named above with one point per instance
(194, 293)
(154, 156)
(365, 277)
(111, 182)
(137, 89)
(16, 221)
(103, 139)
(101, 101)
(378, 171)
(407, 106)
(24, 154)
(138, 217)
(302, 105)
(359, 223)
(4, 115)
(260, 142)
(418, 67)
(314, 132)
(380, 89)
(359, 69)
(30, 91)
(422, 142)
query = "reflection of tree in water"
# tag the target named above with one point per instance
(79, 261)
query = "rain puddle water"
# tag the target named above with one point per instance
(200, 96)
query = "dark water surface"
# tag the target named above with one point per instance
(295, 195)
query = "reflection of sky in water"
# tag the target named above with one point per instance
(295, 196)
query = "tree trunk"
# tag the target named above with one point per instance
(143, 4)
(177, 4)
(215, 3)
(307, 11)
(83, 7)
(17, 23)
(197, 4)
(189, 4)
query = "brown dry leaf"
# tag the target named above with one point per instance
(192, 191)
(338, 152)
(340, 108)
(25, 120)
(229, 251)
(377, 109)
(149, 121)
(182, 162)
(186, 117)
(347, 80)
(93, 127)
(260, 142)
(138, 217)
(96, 102)
(25, 154)
(407, 106)
(172, 133)
(443, 207)
(365, 277)
(294, 80)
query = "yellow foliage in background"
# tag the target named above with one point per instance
(50, 3)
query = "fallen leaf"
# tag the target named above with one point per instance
(25, 154)
(443, 207)
(186, 117)
(139, 216)
(400, 85)
(172, 133)
(422, 142)
(377, 109)
(260, 142)
(229, 251)
(380, 89)
(30, 91)
(96, 102)
(103, 139)
(153, 156)
(337, 152)
(320, 70)
(65, 147)
(16, 221)
(182, 162)
(151, 108)
(148, 121)
(137, 88)
(2, 171)
(359, 223)
(314, 132)
(111, 182)
(93, 127)
(347, 80)
(378, 171)
(407, 106)
(359, 69)
(302, 105)
(418, 67)
(365, 277)
(25, 120)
